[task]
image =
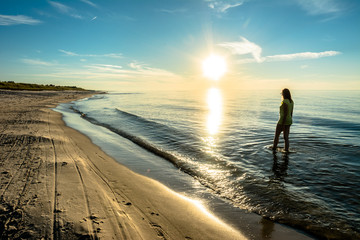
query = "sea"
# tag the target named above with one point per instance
(215, 146)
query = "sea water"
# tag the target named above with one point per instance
(222, 141)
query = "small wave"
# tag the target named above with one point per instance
(130, 115)
(191, 161)
(172, 132)
(126, 93)
(140, 142)
(95, 97)
(330, 123)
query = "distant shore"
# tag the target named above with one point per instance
(11, 85)
(56, 184)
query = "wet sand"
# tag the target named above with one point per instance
(56, 184)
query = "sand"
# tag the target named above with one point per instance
(56, 184)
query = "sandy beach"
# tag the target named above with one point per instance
(56, 184)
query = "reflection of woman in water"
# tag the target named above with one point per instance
(285, 120)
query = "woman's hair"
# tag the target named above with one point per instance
(286, 94)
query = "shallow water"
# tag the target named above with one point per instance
(222, 140)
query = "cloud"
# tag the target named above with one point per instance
(68, 53)
(62, 8)
(89, 3)
(73, 54)
(300, 56)
(7, 20)
(320, 7)
(135, 71)
(135, 65)
(37, 62)
(304, 66)
(246, 47)
(111, 55)
(173, 11)
(93, 18)
(223, 6)
(329, 9)
(132, 73)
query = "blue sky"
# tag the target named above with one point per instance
(160, 44)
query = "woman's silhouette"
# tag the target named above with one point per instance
(285, 120)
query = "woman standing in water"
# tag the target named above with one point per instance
(285, 120)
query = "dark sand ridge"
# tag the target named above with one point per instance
(56, 184)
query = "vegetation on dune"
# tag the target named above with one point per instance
(10, 85)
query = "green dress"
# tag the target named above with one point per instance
(288, 117)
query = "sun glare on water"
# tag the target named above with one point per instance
(214, 101)
(214, 67)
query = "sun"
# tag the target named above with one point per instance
(214, 67)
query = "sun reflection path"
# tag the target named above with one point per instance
(214, 101)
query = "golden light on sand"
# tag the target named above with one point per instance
(214, 67)
(214, 102)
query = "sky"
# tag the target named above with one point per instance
(138, 45)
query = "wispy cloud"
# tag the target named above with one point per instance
(7, 20)
(37, 62)
(68, 53)
(73, 54)
(64, 9)
(223, 6)
(89, 3)
(135, 65)
(133, 71)
(245, 47)
(173, 11)
(326, 9)
(319, 7)
(304, 66)
(111, 55)
(301, 56)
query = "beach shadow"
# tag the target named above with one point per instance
(280, 167)
(267, 228)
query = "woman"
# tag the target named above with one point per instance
(285, 120)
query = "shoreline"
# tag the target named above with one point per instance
(145, 163)
(55, 183)
(73, 189)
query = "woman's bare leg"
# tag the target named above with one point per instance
(278, 130)
(286, 137)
